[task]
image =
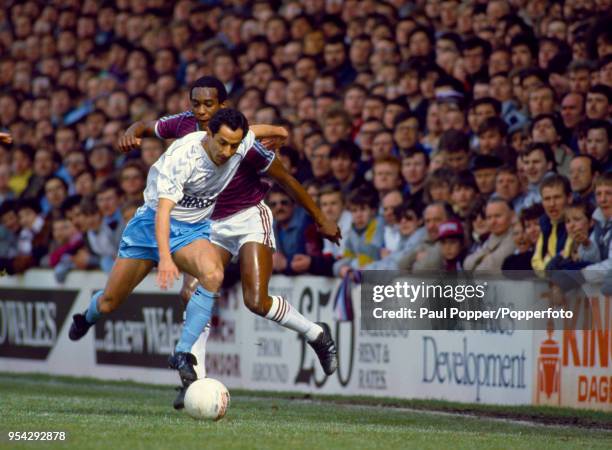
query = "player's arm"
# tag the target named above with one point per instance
(270, 136)
(132, 137)
(167, 271)
(328, 229)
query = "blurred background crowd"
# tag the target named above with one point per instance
(440, 134)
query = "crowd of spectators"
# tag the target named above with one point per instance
(440, 134)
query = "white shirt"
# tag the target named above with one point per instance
(186, 175)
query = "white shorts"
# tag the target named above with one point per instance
(251, 225)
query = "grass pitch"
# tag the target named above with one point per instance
(114, 415)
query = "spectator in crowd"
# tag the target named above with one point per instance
(289, 226)
(415, 163)
(538, 161)
(389, 203)
(33, 236)
(56, 191)
(9, 234)
(84, 183)
(386, 175)
(580, 77)
(520, 260)
(599, 102)
(499, 245)
(599, 143)
(572, 113)
(599, 245)
(129, 208)
(66, 240)
(344, 158)
(6, 193)
(463, 193)
(427, 255)
(438, 186)
(546, 129)
(133, 178)
(108, 199)
(320, 165)
(452, 245)
(584, 169)
(485, 168)
(530, 218)
(102, 242)
(553, 239)
(406, 132)
(412, 234)
(578, 219)
(455, 145)
(508, 185)
(364, 241)
(321, 254)
(45, 164)
(492, 134)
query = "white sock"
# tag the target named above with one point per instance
(199, 351)
(286, 315)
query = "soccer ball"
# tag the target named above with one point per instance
(207, 399)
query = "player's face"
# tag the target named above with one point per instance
(204, 103)
(224, 144)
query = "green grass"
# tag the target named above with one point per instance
(114, 415)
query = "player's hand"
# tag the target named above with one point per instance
(167, 273)
(274, 143)
(6, 138)
(300, 263)
(128, 142)
(330, 231)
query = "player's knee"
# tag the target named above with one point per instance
(212, 279)
(255, 302)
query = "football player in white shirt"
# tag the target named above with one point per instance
(173, 229)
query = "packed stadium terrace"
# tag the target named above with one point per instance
(440, 134)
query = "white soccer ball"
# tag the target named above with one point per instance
(207, 399)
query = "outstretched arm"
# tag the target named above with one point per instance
(132, 137)
(271, 136)
(328, 229)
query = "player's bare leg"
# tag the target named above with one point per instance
(188, 288)
(255, 271)
(206, 263)
(127, 273)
